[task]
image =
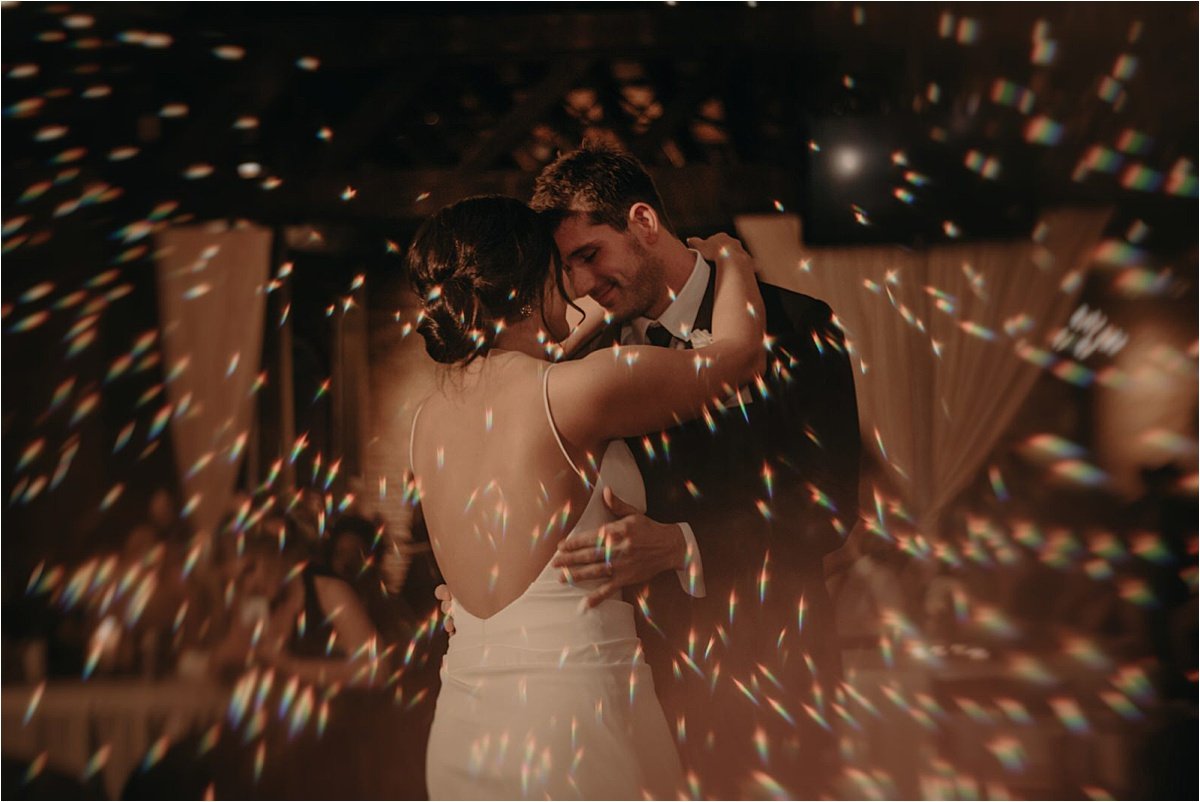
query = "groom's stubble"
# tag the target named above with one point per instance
(626, 276)
(648, 296)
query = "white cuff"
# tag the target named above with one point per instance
(691, 576)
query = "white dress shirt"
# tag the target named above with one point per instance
(679, 319)
(680, 315)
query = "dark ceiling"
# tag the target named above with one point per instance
(299, 112)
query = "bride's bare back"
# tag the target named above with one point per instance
(493, 448)
(496, 489)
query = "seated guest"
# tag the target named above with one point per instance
(351, 542)
(291, 619)
(295, 616)
(351, 554)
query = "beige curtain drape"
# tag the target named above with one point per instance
(940, 337)
(211, 299)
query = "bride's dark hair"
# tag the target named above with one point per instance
(476, 265)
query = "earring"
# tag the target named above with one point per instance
(526, 311)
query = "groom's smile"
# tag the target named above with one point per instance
(611, 266)
(605, 294)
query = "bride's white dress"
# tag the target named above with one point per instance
(546, 701)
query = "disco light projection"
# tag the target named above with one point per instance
(1074, 373)
(229, 52)
(1007, 93)
(1101, 159)
(1134, 142)
(1116, 252)
(1167, 442)
(82, 398)
(1125, 67)
(34, 700)
(1044, 131)
(1045, 49)
(155, 753)
(35, 769)
(1138, 592)
(1016, 712)
(969, 31)
(1182, 181)
(1141, 178)
(97, 762)
(1079, 473)
(1070, 714)
(1009, 751)
(1121, 705)
(986, 166)
(1111, 91)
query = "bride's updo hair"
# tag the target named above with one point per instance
(478, 264)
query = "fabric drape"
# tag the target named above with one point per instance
(211, 299)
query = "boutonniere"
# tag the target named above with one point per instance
(699, 338)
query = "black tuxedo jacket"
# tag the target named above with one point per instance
(769, 487)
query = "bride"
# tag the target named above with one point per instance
(542, 697)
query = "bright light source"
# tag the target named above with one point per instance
(847, 161)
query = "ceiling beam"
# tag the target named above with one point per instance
(379, 107)
(696, 86)
(561, 77)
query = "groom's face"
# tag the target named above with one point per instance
(613, 267)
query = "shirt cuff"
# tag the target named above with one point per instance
(691, 576)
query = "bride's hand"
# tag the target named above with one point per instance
(724, 248)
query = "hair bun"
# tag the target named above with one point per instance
(476, 264)
(447, 323)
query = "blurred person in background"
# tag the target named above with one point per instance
(352, 554)
(294, 616)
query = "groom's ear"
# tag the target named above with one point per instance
(644, 222)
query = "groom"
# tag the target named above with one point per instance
(745, 655)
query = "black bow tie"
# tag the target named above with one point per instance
(657, 334)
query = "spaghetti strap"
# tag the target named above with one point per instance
(413, 436)
(550, 420)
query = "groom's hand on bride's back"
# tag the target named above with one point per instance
(630, 550)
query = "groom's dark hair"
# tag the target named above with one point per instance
(598, 180)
